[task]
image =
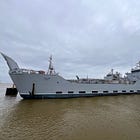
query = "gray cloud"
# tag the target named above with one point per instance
(86, 37)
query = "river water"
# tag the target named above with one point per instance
(96, 118)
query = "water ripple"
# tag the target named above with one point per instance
(98, 118)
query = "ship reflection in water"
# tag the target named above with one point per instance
(98, 118)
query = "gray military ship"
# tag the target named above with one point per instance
(32, 84)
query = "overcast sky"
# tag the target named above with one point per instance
(85, 37)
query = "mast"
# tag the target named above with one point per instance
(51, 70)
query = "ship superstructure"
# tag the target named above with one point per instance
(33, 84)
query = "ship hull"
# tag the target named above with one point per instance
(67, 96)
(38, 86)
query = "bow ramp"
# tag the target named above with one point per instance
(10, 62)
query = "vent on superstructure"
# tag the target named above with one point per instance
(115, 91)
(105, 91)
(138, 91)
(131, 90)
(94, 91)
(70, 91)
(82, 91)
(59, 92)
(123, 90)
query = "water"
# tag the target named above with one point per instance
(97, 118)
